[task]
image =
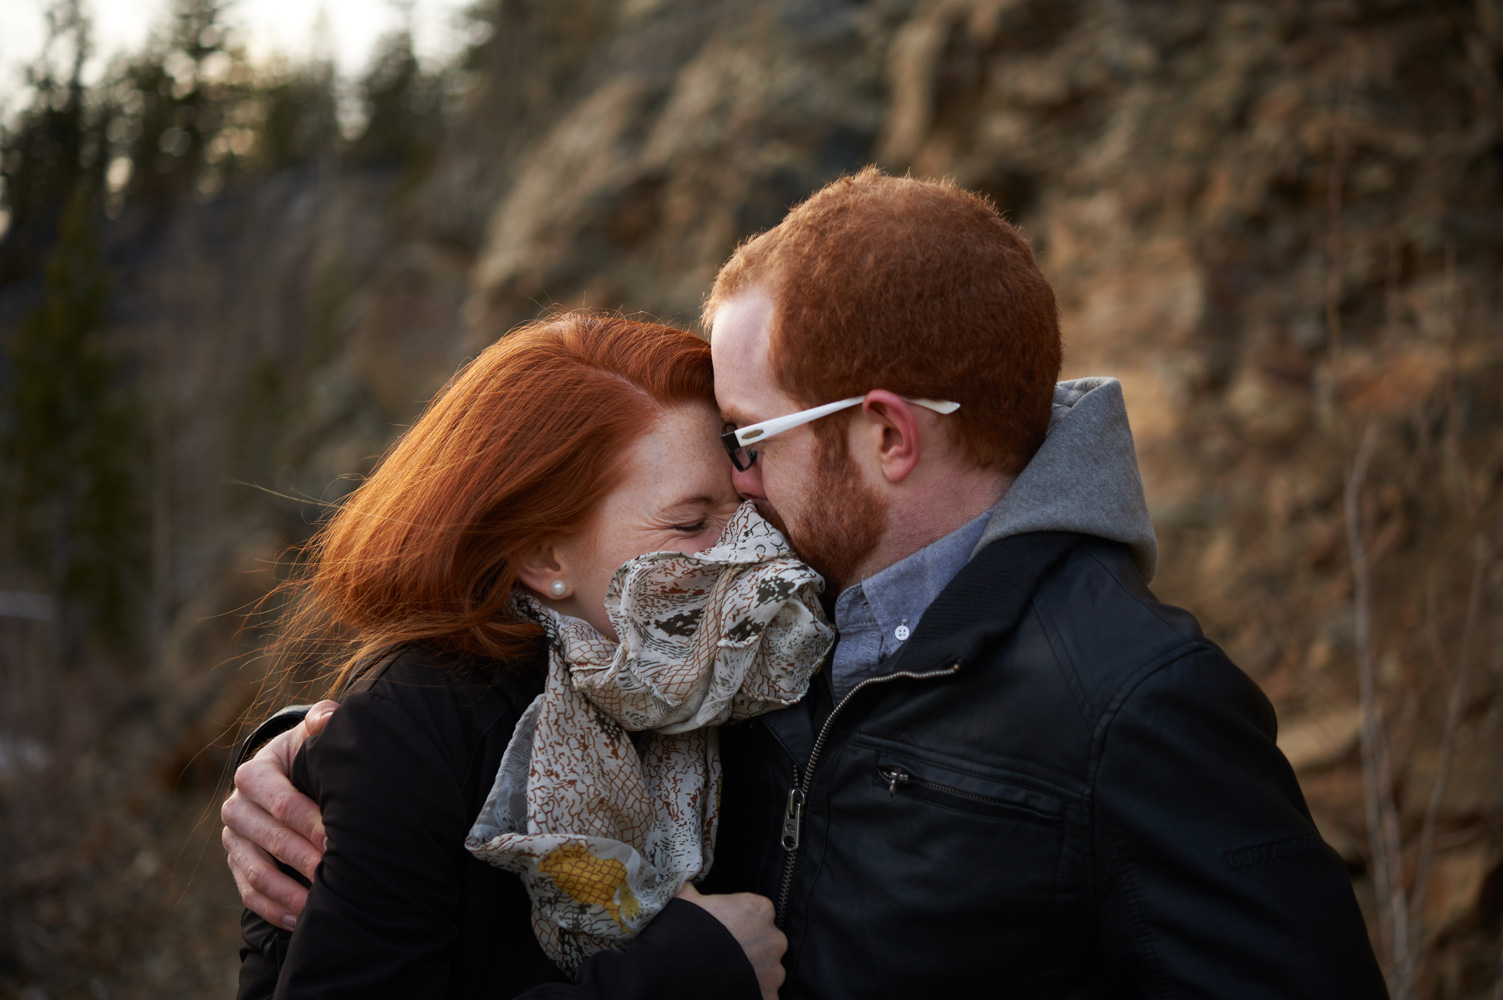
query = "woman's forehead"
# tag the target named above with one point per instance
(679, 459)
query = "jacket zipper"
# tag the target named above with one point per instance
(898, 776)
(793, 815)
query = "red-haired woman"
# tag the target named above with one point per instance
(547, 590)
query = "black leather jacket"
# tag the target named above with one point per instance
(1061, 788)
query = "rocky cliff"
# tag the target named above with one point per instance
(1278, 223)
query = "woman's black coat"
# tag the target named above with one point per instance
(399, 908)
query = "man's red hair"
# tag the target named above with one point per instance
(918, 287)
(520, 447)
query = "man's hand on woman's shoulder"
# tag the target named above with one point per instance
(266, 819)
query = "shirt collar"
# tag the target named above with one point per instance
(899, 594)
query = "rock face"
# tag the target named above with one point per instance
(1279, 223)
(686, 127)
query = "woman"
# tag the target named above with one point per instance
(491, 572)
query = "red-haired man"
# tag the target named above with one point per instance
(1019, 774)
(1022, 775)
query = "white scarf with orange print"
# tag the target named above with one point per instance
(608, 794)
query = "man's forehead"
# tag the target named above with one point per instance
(744, 383)
(739, 329)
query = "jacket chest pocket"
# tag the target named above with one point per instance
(947, 788)
(949, 862)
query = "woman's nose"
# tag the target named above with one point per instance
(749, 483)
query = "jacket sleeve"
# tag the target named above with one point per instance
(684, 953)
(1212, 878)
(274, 725)
(381, 914)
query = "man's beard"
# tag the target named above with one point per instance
(841, 518)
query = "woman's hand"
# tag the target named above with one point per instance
(749, 918)
(266, 819)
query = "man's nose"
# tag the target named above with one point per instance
(749, 483)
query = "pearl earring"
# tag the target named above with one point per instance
(558, 587)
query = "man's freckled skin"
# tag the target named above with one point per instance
(746, 389)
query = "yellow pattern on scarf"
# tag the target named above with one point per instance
(592, 880)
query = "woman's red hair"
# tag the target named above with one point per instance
(518, 448)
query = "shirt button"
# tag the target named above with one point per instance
(901, 632)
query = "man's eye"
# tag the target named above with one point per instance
(690, 529)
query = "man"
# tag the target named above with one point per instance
(1020, 774)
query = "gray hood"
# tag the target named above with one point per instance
(1084, 477)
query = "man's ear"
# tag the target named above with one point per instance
(543, 567)
(895, 430)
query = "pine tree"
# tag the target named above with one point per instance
(53, 147)
(403, 106)
(73, 443)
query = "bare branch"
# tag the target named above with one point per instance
(1453, 722)
(1333, 221)
(1382, 816)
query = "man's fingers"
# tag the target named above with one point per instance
(318, 717)
(762, 907)
(263, 781)
(248, 821)
(264, 889)
(267, 818)
(302, 824)
(749, 918)
(268, 910)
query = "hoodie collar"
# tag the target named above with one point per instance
(1083, 479)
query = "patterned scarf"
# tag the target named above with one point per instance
(609, 791)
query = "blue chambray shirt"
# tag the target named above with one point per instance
(874, 617)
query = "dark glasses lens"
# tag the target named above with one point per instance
(741, 457)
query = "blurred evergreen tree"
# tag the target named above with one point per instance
(403, 106)
(73, 442)
(299, 123)
(177, 112)
(55, 147)
(181, 118)
(67, 437)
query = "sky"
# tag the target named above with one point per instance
(269, 27)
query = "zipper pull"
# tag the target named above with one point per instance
(793, 817)
(895, 776)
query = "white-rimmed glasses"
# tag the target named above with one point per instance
(736, 439)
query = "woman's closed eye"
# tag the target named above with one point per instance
(701, 525)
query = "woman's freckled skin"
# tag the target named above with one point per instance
(676, 496)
